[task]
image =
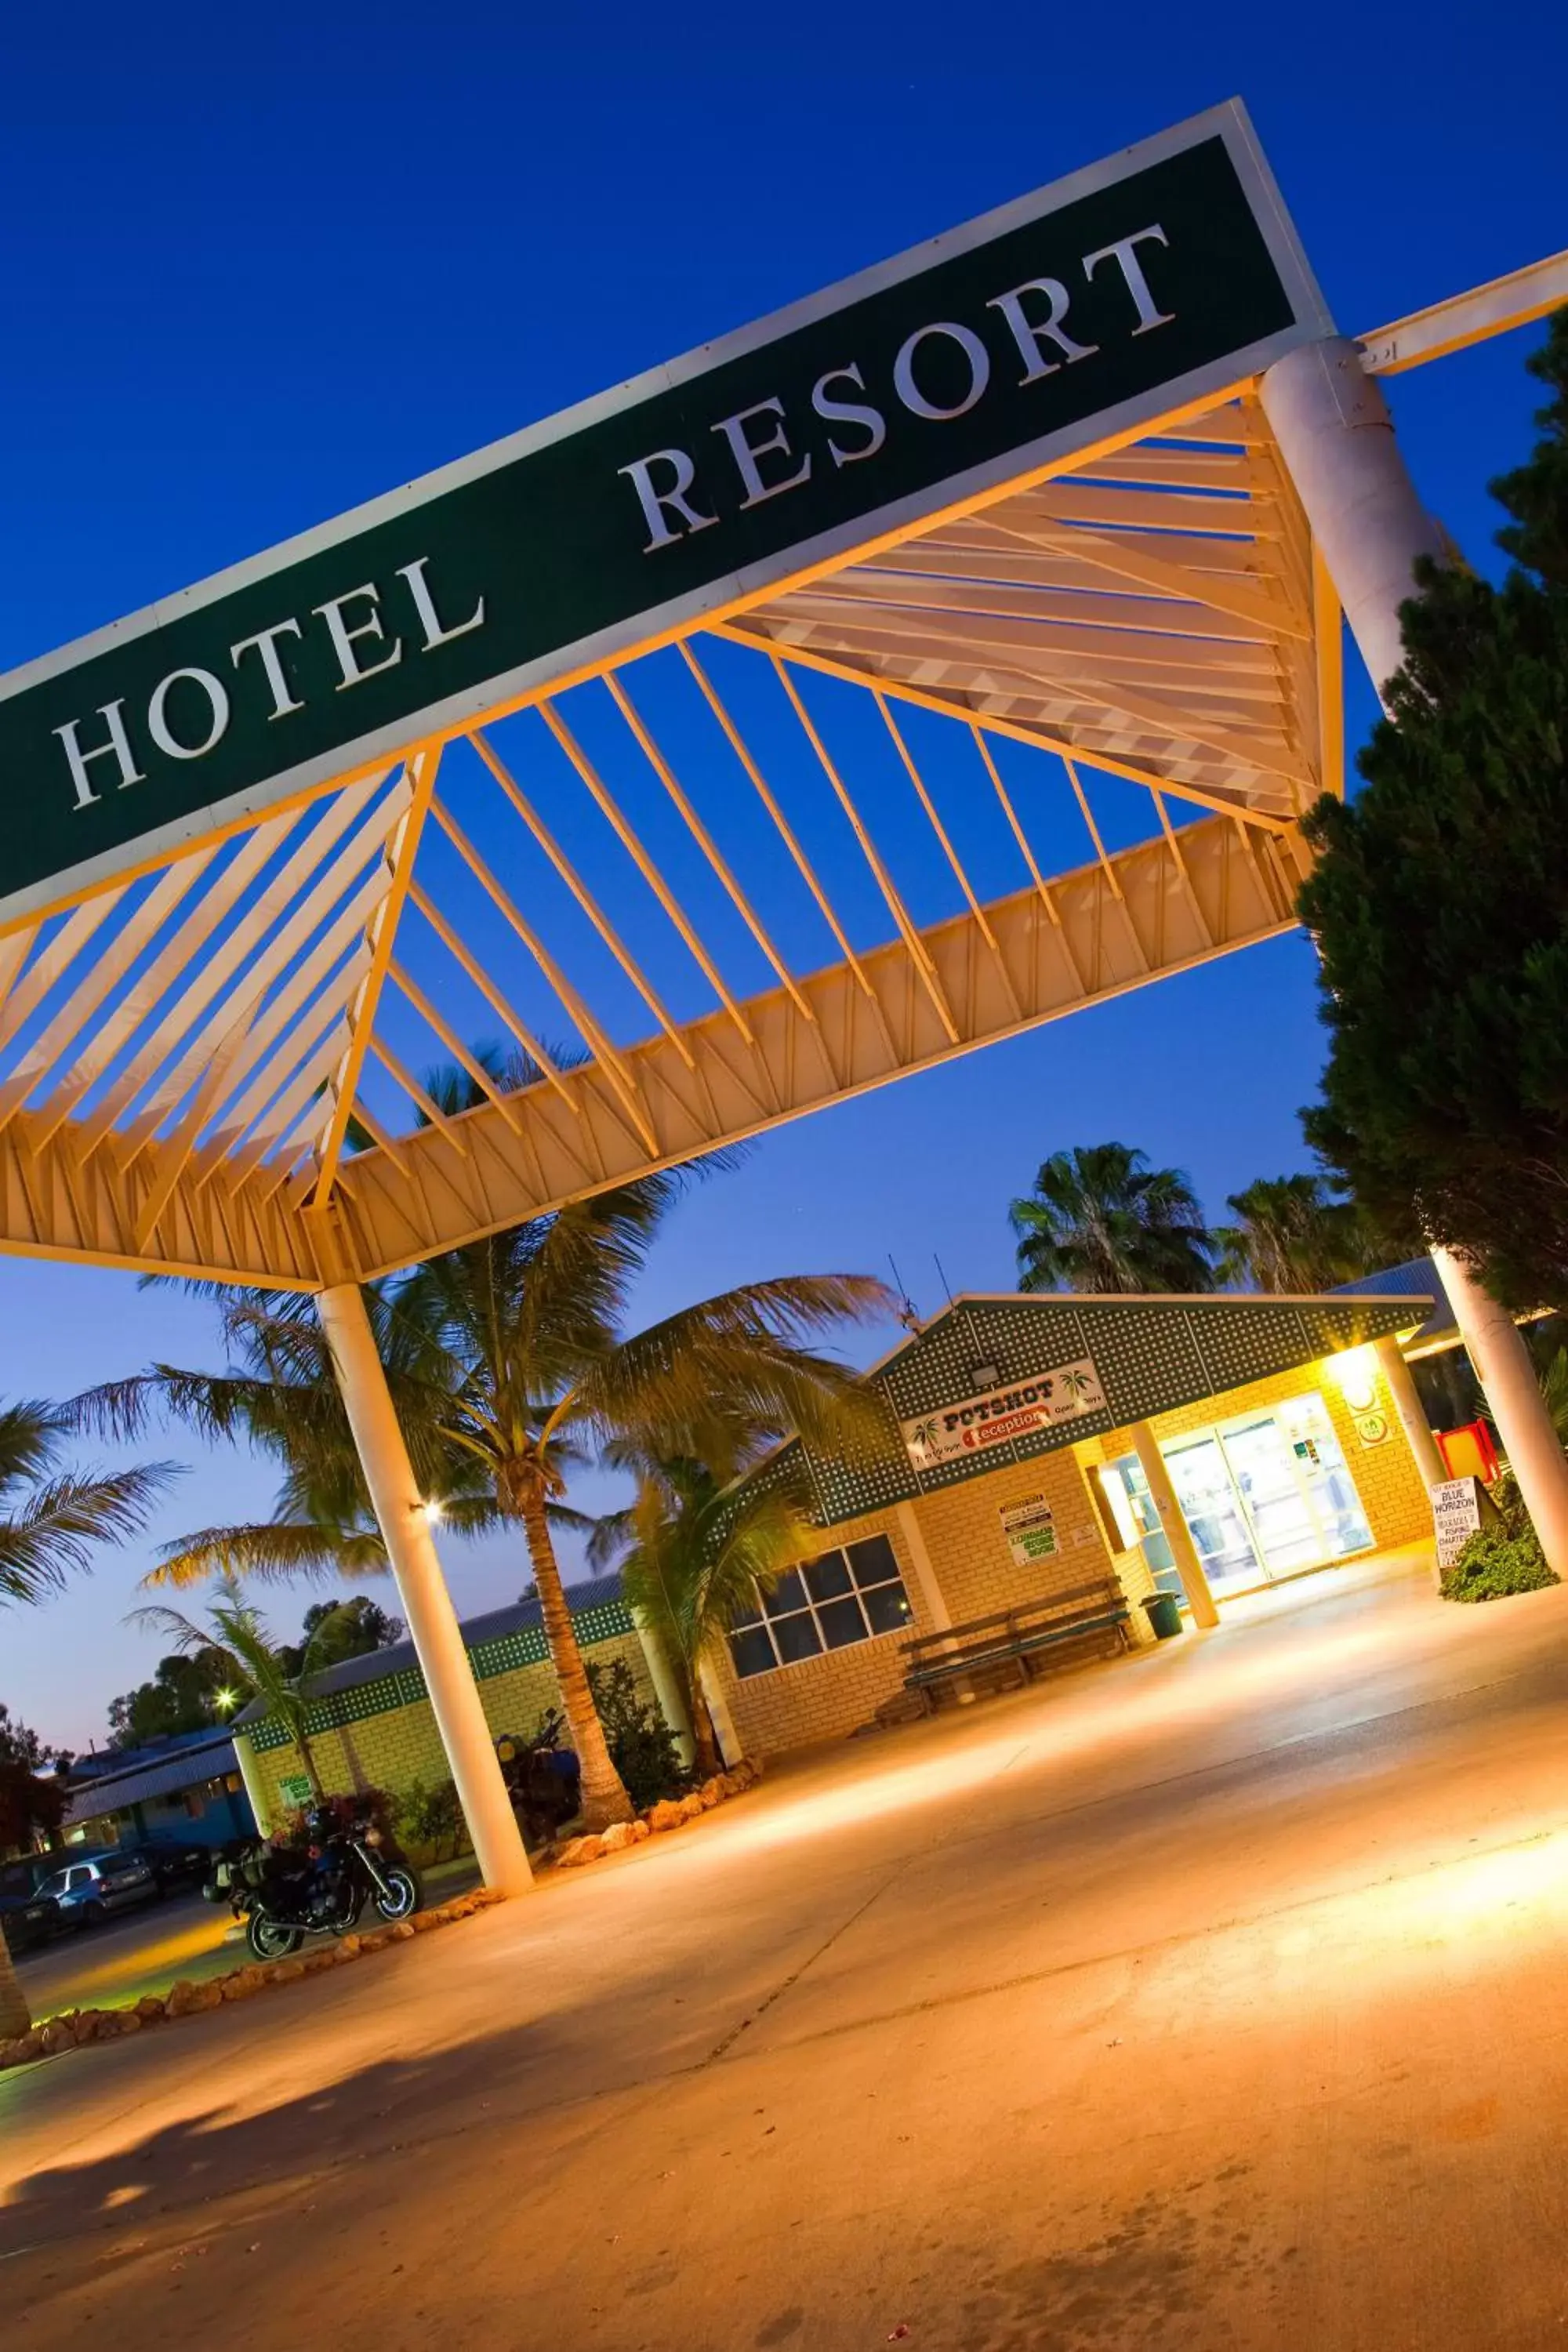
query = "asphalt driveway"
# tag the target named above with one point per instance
(1214, 2001)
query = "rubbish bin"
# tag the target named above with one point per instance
(1164, 1613)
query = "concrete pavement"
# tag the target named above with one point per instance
(1213, 1999)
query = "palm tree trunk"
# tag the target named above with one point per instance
(706, 1760)
(16, 2017)
(307, 1757)
(605, 1799)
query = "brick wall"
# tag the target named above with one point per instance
(828, 1697)
(394, 1748)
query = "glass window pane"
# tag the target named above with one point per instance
(887, 1608)
(842, 1623)
(787, 1595)
(826, 1577)
(752, 1615)
(874, 1561)
(797, 1637)
(752, 1653)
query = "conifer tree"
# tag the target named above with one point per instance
(1440, 907)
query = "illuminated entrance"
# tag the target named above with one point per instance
(954, 650)
(1266, 1495)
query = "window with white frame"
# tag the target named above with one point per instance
(826, 1603)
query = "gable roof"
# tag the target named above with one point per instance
(1149, 1354)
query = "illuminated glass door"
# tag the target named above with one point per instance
(1264, 1468)
(1216, 1521)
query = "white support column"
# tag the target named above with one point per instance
(422, 1591)
(1184, 1551)
(666, 1689)
(730, 1747)
(1409, 1412)
(1336, 437)
(1503, 1367)
(250, 1764)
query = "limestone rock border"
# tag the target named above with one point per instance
(669, 1813)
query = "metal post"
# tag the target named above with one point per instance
(1184, 1551)
(422, 1591)
(1336, 437)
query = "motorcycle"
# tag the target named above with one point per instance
(543, 1781)
(287, 1893)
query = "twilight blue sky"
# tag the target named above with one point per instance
(259, 266)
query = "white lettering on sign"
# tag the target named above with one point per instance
(1030, 333)
(158, 725)
(265, 643)
(435, 633)
(117, 748)
(1035, 314)
(746, 452)
(352, 620)
(344, 638)
(654, 502)
(1124, 253)
(908, 391)
(848, 411)
(981, 1422)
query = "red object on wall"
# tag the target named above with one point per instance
(1468, 1451)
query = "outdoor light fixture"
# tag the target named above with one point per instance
(433, 1514)
(1355, 1373)
(985, 1376)
(224, 1699)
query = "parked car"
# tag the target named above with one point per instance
(88, 1890)
(173, 1866)
(28, 1920)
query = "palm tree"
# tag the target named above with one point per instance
(50, 1520)
(1293, 1234)
(696, 1554)
(1099, 1218)
(236, 1638)
(507, 1364)
(518, 1341)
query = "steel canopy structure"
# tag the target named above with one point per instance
(213, 1065)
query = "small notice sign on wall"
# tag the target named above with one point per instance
(1030, 1529)
(1456, 1517)
(1371, 1428)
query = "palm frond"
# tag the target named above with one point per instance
(272, 1551)
(58, 1527)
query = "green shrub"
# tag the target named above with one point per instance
(1495, 1563)
(430, 1821)
(1509, 1504)
(641, 1743)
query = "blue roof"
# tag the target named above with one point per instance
(1417, 1278)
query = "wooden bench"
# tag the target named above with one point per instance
(1007, 1643)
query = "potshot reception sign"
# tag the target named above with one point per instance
(1066, 1394)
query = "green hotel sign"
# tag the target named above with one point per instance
(1106, 300)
